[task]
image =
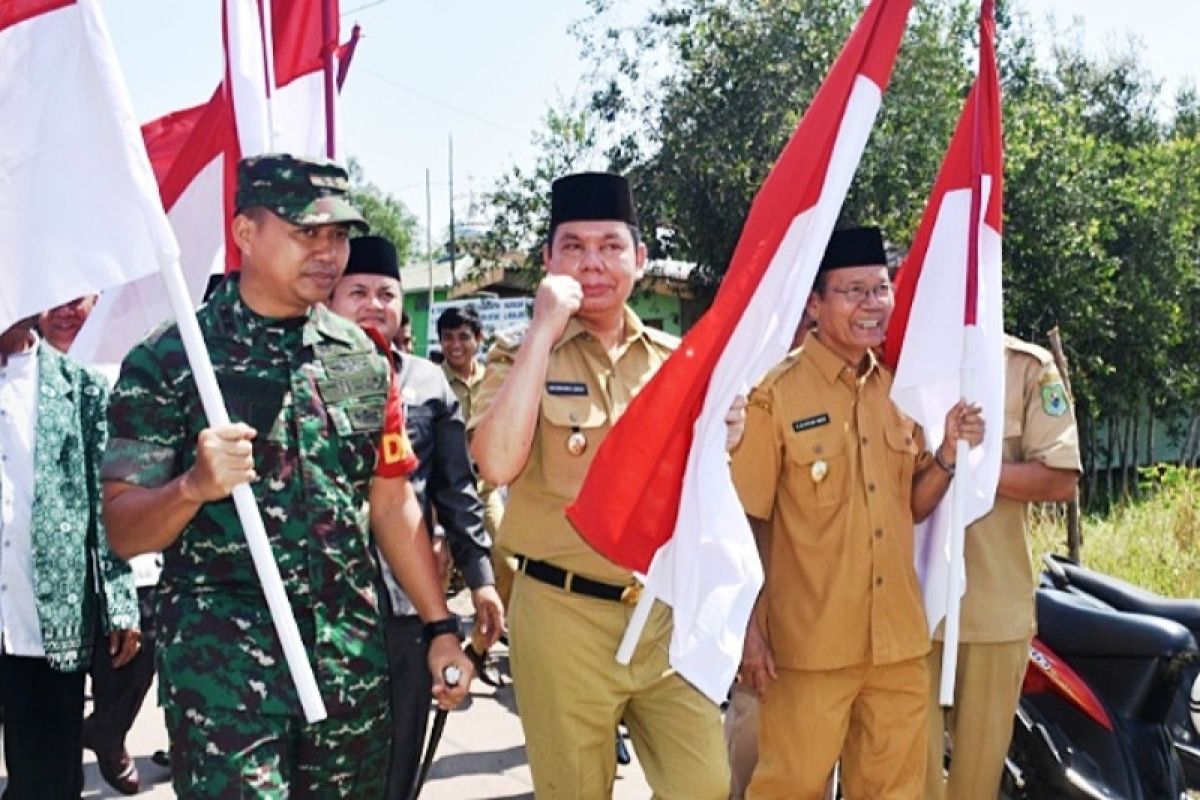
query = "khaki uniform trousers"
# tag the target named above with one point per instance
(873, 716)
(741, 738)
(571, 693)
(741, 742)
(987, 687)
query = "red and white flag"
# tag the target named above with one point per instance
(946, 338)
(79, 209)
(659, 488)
(271, 99)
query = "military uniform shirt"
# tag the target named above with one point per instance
(829, 460)
(1038, 426)
(584, 394)
(314, 388)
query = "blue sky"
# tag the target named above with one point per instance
(485, 71)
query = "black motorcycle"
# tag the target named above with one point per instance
(1184, 715)
(1095, 710)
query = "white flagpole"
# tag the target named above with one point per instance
(961, 489)
(243, 498)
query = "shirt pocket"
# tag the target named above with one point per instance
(570, 422)
(900, 438)
(820, 464)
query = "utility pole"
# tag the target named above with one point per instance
(453, 247)
(429, 251)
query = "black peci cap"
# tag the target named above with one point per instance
(854, 247)
(372, 255)
(591, 195)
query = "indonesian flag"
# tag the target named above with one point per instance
(945, 337)
(262, 105)
(79, 211)
(658, 497)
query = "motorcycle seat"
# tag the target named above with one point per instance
(1127, 597)
(1072, 626)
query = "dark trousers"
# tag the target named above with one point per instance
(117, 694)
(43, 717)
(411, 695)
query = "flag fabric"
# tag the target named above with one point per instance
(262, 104)
(78, 203)
(658, 497)
(947, 327)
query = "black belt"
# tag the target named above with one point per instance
(577, 584)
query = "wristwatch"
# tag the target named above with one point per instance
(441, 627)
(941, 462)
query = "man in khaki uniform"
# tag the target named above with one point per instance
(546, 404)
(460, 332)
(1041, 464)
(841, 474)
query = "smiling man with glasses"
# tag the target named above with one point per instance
(833, 476)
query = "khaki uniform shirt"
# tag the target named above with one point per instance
(1039, 425)
(829, 460)
(584, 392)
(466, 389)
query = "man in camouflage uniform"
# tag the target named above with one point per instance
(307, 393)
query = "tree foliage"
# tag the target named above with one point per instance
(1102, 187)
(385, 213)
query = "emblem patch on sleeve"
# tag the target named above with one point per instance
(1054, 399)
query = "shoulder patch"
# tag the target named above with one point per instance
(1054, 397)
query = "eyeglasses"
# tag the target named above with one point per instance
(857, 293)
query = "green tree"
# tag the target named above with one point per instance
(385, 213)
(520, 200)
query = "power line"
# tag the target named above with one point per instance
(360, 8)
(437, 102)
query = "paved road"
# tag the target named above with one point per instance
(482, 756)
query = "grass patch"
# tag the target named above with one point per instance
(1151, 542)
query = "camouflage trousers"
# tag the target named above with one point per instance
(224, 753)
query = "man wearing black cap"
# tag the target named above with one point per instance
(546, 404)
(321, 443)
(841, 474)
(369, 293)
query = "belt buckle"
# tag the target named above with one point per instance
(631, 594)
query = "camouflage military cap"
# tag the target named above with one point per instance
(303, 191)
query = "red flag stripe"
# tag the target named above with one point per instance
(15, 11)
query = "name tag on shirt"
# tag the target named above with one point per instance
(810, 422)
(566, 388)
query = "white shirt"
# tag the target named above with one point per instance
(19, 627)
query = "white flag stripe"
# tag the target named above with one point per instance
(77, 196)
(709, 571)
(928, 377)
(299, 112)
(247, 69)
(125, 315)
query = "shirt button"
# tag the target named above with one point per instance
(870, 487)
(879, 581)
(864, 441)
(878, 533)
